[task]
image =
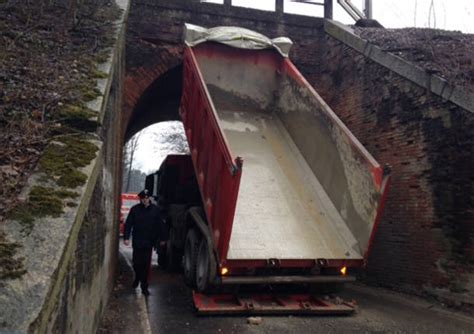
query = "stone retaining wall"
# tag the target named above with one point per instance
(70, 260)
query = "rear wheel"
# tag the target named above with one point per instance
(173, 255)
(205, 267)
(191, 246)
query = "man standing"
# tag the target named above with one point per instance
(144, 223)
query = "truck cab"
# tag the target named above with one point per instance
(175, 189)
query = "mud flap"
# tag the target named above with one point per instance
(208, 304)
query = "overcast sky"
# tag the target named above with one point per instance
(441, 14)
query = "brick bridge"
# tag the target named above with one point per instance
(428, 224)
(405, 117)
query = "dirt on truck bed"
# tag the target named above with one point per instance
(448, 54)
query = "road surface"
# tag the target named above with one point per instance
(170, 310)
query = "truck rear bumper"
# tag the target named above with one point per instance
(270, 304)
(235, 280)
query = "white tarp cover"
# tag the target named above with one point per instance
(236, 37)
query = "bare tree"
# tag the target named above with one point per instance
(414, 14)
(172, 139)
(128, 156)
(177, 142)
(432, 13)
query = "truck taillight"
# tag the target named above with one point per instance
(224, 271)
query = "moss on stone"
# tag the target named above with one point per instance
(86, 89)
(103, 56)
(92, 94)
(43, 179)
(25, 216)
(46, 201)
(42, 202)
(10, 267)
(61, 160)
(96, 74)
(73, 178)
(78, 117)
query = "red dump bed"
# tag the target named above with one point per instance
(281, 177)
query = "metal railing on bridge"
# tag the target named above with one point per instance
(347, 5)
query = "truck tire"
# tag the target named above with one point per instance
(161, 253)
(205, 267)
(173, 254)
(173, 258)
(191, 246)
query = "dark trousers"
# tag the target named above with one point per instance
(141, 265)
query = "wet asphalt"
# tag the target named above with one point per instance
(170, 310)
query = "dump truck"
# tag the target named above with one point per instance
(276, 189)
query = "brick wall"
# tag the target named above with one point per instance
(154, 46)
(425, 238)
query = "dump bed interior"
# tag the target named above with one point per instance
(282, 209)
(306, 190)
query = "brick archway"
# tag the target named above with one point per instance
(158, 102)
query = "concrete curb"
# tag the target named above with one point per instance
(142, 307)
(419, 76)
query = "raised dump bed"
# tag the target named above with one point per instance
(276, 189)
(301, 187)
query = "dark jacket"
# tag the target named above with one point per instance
(145, 225)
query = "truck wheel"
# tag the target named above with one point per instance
(173, 255)
(190, 255)
(161, 253)
(205, 267)
(173, 258)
